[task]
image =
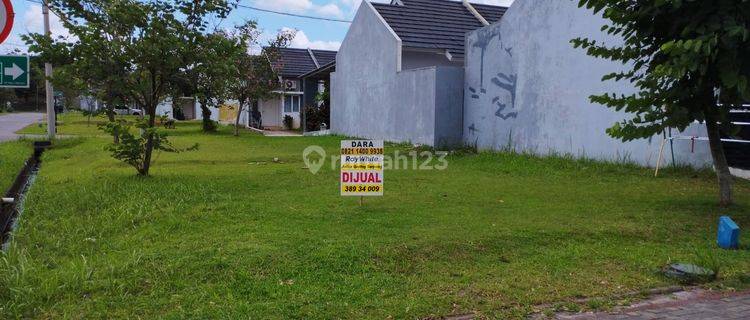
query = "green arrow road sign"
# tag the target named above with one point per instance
(15, 71)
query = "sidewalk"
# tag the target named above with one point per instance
(12, 122)
(277, 133)
(687, 305)
(268, 133)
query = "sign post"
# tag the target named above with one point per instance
(362, 168)
(15, 72)
(51, 115)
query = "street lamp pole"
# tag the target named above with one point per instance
(51, 118)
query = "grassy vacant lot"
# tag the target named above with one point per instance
(13, 156)
(226, 232)
(73, 123)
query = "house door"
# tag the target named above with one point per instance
(270, 111)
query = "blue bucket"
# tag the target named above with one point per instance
(729, 234)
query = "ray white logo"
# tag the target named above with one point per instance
(314, 157)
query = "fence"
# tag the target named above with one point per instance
(738, 148)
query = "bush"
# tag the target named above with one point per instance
(288, 122)
(6, 108)
(131, 148)
(315, 116)
(178, 113)
(209, 125)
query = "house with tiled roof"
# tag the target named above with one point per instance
(399, 71)
(451, 73)
(435, 26)
(295, 93)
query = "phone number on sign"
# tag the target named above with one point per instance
(362, 151)
(355, 188)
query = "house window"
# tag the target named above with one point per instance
(291, 103)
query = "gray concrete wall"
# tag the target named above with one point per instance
(449, 106)
(416, 60)
(372, 98)
(527, 89)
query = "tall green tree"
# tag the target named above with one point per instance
(148, 44)
(96, 64)
(213, 73)
(257, 74)
(689, 60)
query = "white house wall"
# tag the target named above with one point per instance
(372, 98)
(270, 111)
(88, 103)
(528, 89)
(165, 108)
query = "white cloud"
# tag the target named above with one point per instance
(330, 10)
(301, 6)
(290, 5)
(33, 22)
(353, 3)
(302, 41)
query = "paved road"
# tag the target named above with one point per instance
(10, 123)
(697, 305)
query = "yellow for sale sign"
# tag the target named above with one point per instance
(362, 168)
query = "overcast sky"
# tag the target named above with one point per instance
(311, 33)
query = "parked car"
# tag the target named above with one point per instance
(124, 111)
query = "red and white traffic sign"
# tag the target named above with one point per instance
(6, 19)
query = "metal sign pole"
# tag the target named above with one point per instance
(51, 118)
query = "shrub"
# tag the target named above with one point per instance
(6, 108)
(209, 125)
(288, 122)
(131, 148)
(315, 116)
(178, 113)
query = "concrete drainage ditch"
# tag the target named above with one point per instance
(12, 202)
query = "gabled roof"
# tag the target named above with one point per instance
(321, 72)
(324, 57)
(436, 24)
(296, 62)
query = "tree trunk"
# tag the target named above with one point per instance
(111, 118)
(149, 147)
(237, 121)
(206, 114)
(720, 161)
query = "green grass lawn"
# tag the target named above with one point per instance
(226, 232)
(13, 156)
(73, 123)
